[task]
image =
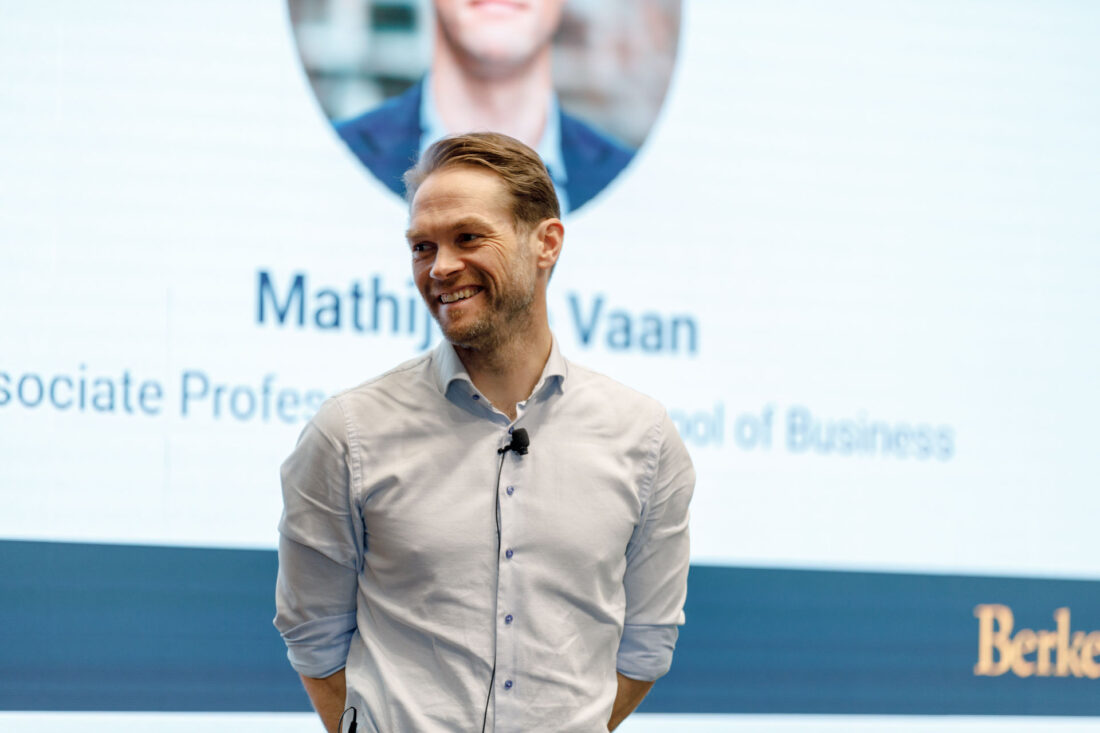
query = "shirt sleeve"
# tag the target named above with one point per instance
(320, 548)
(657, 560)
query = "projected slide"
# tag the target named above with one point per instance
(851, 246)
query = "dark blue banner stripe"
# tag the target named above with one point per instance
(106, 627)
(798, 641)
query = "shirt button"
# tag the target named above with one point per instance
(510, 490)
(508, 684)
(509, 431)
(508, 619)
(508, 553)
(477, 397)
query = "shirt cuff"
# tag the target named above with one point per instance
(645, 652)
(319, 647)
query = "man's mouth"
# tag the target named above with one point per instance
(458, 295)
(509, 4)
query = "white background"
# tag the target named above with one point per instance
(877, 210)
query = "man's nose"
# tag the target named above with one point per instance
(447, 263)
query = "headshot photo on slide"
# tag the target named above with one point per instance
(580, 81)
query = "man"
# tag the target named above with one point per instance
(491, 70)
(487, 537)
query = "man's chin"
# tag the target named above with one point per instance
(502, 49)
(474, 336)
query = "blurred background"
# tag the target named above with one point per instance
(613, 59)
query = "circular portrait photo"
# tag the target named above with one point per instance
(580, 81)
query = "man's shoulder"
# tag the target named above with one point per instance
(411, 373)
(610, 394)
(386, 139)
(390, 121)
(592, 159)
(591, 143)
(376, 396)
(606, 410)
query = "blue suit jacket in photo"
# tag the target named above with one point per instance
(387, 141)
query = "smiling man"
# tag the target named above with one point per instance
(486, 537)
(491, 69)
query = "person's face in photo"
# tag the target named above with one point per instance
(477, 273)
(498, 35)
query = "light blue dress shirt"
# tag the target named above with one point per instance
(389, 563)
(548, 148)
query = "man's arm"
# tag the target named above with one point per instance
(327, 695)
(320, 553)
(628, 697)
(657, 561)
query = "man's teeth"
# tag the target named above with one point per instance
(458, 295)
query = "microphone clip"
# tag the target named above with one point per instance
(519, 444)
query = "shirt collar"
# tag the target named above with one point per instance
(451, 375)
(549, 147)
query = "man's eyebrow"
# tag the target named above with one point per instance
(471, 222)
(466, 222)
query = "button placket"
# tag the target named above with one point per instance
(507, 622)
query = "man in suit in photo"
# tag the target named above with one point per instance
(491, 70)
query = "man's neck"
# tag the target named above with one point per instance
(515, 103)
(509, 373)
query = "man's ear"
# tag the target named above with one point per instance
(549, 235)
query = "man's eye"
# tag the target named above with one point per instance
(420, 248)
(467, 237)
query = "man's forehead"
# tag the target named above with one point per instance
(419, 225)
(460, 194)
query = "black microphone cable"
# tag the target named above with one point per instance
(351, 728)
(519, 443)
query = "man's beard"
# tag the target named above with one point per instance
(506, 316)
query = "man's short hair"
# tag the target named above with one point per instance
(519, 167)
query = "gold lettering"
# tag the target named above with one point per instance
(1025, 643)
(1062, 652)
(994, 634)
(1069, 655)
(1089, 649)
(1048, 640)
